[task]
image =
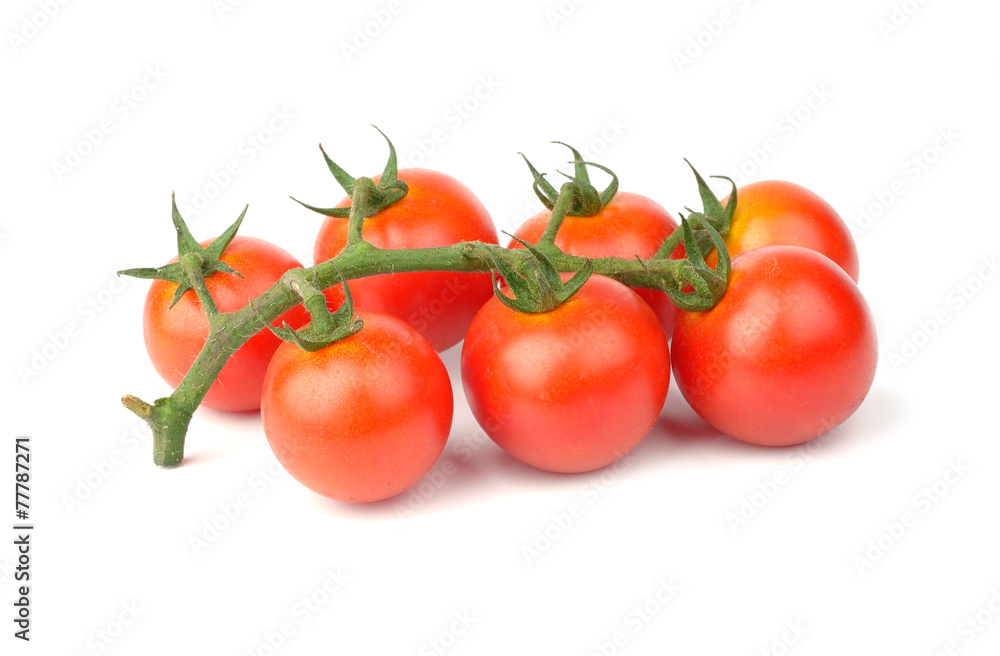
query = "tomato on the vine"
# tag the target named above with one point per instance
(438, 210)
(363, 418)
(629, 225)
(175, 335)
(774, 213)
(788, 353)
(572, 389)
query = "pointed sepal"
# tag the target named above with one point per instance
(391, 171)
(214, 250)
(169, 272)
(719, 215)
(343, 178)
(544, 189)
(186, 243)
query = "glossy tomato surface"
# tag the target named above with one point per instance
(438, 210)
(627, 226)
(174, 336)
(573, 389)
(787, 354)
(363, 418)
(774, 212)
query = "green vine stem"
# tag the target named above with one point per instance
(169, 417)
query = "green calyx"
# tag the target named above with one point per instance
(324, 327)
(589, 201)
(389, 190)
(708, 285)
(701, 232)
(195, 262)
(713, 213)
(534, 282)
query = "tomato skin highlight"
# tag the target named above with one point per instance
(775, 212)
(788, 353)
(175, 336)
(573, 389)
(362, 419)
(438, 210)
(629, 225)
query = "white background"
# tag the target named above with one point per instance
(606, 76)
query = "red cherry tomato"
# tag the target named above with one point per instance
(363, 418)
(569, 390)
(773, 212)
(786, 355)
(627, 226)
(174, 336)
(438, 210)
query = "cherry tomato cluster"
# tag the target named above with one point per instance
(787, 354)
